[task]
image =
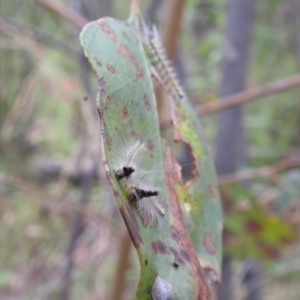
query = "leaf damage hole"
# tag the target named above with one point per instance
(181, 151)
(187, 163)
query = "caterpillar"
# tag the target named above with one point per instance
(124, 166)
(138, 184)
(158, 59)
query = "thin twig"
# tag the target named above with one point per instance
(267, 171)
(134, 8)
(119, 279)
(286, 269)
(76, 230)
(64, 202)
(23, 106)
(65, 11)
(24, 41)
(171, 26)
(38, 35)
(251, 94)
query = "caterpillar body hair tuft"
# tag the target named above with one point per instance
(137, 183)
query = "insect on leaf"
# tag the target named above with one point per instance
(199, 198)
(143, 175)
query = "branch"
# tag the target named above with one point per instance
(36, 34)
(173, 12)
(134, 8)
(63, 202)
(267, 171)
(21, 39)
(122, 267)
(77, 229)
(171, 26)
(65, 11)
(250, 94)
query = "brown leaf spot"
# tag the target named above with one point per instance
(124, 112)
(101, 82)
(107, 30)
(125, 35)
(100, 113)
(101, 85)
(175, 233)
(159, 247)
(146, 262)
(111, 68)
(209, 243)
(98, 63)
(134, 134)
(185, 255)
(126, 53)
(177, 256)
(147, 102)
(102, 92)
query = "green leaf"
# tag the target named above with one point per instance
(127, 108)
(199, 197)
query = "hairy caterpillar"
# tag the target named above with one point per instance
(147, 203)
(124, 165)
(138, 184)
(158, 59)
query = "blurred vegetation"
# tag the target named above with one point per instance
(49, 142)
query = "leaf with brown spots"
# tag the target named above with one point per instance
(127, 110)
(199, 197)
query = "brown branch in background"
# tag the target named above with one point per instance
(25, 42)
(65, 11)
(134, 8)
(267, 171)
(170, 32)
(171, 26)
(36, 35)
(64, 203)
(78, 226)
(23, 106)
(250, 94)
(122, 266)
